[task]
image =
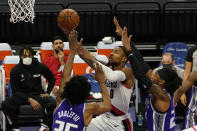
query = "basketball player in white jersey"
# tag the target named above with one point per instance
(119, 81)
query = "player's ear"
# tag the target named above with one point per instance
(161, 82)
(124, 59)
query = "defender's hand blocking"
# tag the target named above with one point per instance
(125, 39)
(119, 30)
(99, 76)
(123, 33)
(74, 44)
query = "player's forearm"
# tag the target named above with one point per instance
(106, 98)
(177, 94)
(140, 58)
(138, 71)
(66, 73)
(158, 93)
(188, 67)
(185, 74)
(67, 68)
(85, 55)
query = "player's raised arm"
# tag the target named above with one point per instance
(185, 86)
(105, 105)
(67, 68)
(82, 52)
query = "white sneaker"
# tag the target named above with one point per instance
(43, 127)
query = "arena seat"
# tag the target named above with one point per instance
(46, 49)
(178, 49)
(26, 116)
(95, 20)
(180, 21)
(179, 62)
(5, 50)
(8, 63)
(106, 49)
(143, 19)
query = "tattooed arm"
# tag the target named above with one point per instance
(159, 98)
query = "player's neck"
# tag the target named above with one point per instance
(119, 67)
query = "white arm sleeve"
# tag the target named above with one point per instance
(111, 75)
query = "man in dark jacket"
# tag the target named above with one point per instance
(25, 79)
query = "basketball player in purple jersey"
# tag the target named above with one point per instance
(160, 113)
(72, 113)
(191, 117)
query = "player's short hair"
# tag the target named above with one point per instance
(57, 38)
(31, 51)
(77, 90)
(124, 50)
(171, 78)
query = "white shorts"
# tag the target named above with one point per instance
(107, 123)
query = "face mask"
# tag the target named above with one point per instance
(27, 61)
(169, 66)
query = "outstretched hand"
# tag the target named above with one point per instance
(74, 44)
(119, 30)
(124, 34)
(99, 74)
(125, 39)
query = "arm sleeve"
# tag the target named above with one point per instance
(139, 57)
(50, 77)
(111, 75)
(15, 85)
(138, 71)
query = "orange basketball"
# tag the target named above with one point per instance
(68, 19)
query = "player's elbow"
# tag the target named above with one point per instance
(115, 77)
(106, 108)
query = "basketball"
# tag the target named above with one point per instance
(68, 19)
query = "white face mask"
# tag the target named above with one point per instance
(27, 61)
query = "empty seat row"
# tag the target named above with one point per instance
(147, 21)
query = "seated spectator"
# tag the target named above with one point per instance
(168, 61)
(25, 79)
(56, 62)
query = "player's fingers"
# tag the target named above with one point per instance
(81, 41)
(115, 21)
(99, 68)
(130, 37)
(125, 29)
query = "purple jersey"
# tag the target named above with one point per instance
(190, 116)
(69, 118)
(157, 121)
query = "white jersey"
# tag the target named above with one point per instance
(120, 96)
(117, 119)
